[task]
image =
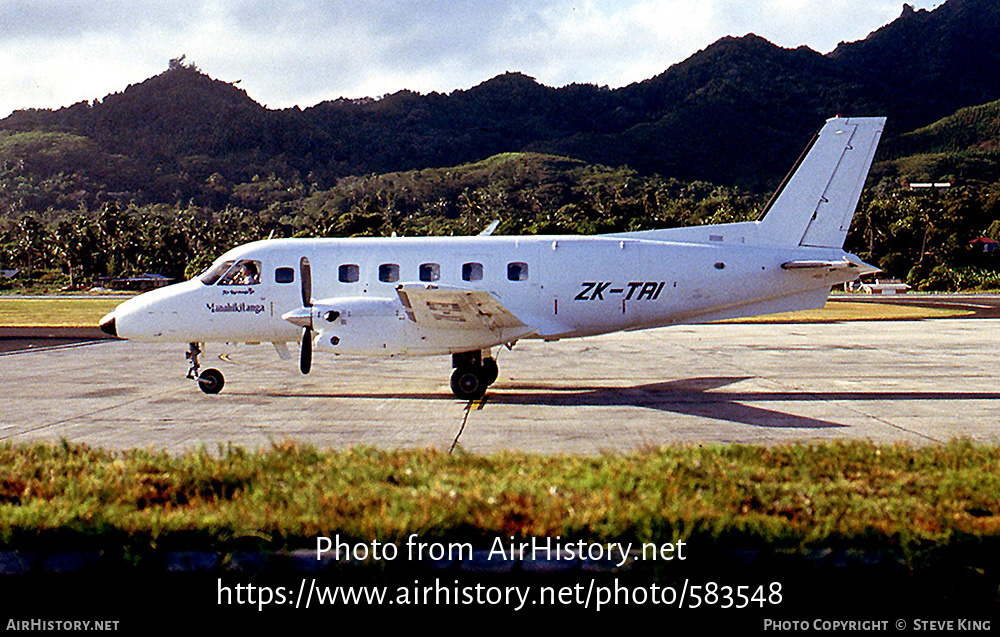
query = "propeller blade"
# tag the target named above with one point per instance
(305, 361)
(305, 273)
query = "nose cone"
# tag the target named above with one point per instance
(108, 325)
(160, 315)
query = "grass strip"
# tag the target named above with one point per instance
(847, 311)
(903, 499)
(55, 312)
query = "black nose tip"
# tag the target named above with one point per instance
(108, 327)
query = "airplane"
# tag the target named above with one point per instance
(468, 296)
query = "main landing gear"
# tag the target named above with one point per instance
(473, 374)
(210, 380)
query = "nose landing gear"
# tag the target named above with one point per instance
(211, 380)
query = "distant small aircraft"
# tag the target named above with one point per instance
(466, 296)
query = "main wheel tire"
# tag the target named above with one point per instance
(490, 370)
(211, 381)
(468, 383)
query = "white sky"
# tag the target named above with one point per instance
(55, 53)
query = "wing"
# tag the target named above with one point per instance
(455, 308)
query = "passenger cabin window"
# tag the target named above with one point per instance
(215, 272)
(388, 272)
(430, 271)
(349, 273)
(284, 275)
(245, 272)
(472, 271)
(517, 271)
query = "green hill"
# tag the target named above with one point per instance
(962, 147)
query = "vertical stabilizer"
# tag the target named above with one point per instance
(816, 202)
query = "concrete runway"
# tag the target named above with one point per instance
(918, 382)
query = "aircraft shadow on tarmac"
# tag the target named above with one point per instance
(691, 396)
(704, 397)
(701, 397)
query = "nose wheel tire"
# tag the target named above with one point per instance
(468, 383)
(211, 381)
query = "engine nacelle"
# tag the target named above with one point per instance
(359, 325)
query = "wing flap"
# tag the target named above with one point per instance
(455, 308)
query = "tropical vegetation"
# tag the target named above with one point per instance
(167, 174)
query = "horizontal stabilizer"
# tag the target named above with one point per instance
(455, 308)
(844, 264)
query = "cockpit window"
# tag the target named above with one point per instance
(214, 272)
(245, 272)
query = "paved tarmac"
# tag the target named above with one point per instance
(916, 381)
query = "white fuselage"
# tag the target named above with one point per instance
(558, 286)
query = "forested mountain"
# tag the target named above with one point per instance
(928, 64)
(735, 113)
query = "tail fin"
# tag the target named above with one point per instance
(815, 203)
